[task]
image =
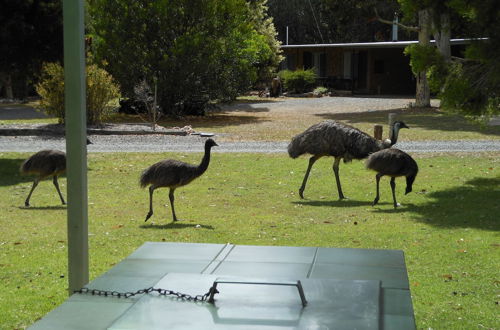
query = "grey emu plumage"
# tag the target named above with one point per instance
(393, 163)
(173, 174)
(341, 141)
(43, 164)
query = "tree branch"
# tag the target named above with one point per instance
(406, 27)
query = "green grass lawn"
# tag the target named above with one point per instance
(447, 227)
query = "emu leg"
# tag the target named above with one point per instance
(377, 177)
(35, 183)
(150, 213)
(337, 178)
(393, 187)
(54, 180)
(312, 160)
(171, 197)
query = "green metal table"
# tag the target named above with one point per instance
(340, 288)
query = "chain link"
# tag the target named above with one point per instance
(161, 292)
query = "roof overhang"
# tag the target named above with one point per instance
(383, 44)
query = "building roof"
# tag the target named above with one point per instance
(383, 44)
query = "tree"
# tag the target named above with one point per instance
(472, 84)
(330, 21)
(30, 34)
(198, 51)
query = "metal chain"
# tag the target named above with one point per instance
(161, 292)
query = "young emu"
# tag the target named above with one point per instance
(173, 174)
(394, 163)
(331, 138)
(43, 164)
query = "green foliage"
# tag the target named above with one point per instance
(101, 90)
(461, 94)
(422, 58)
(298, 81)
(320, 91)
(200, 51)
(51, 90)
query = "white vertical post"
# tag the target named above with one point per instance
(76, 146)
(395, 27)
(287, 34)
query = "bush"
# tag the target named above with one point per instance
(101, 90)
(298, 81)
(51, 90)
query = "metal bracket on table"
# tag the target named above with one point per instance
(213, 289)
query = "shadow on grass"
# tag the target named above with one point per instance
(333, 203)
(9, 172)
(175, 225)
(473, 205)
(43, 208)
(429, 118)
(220, 119)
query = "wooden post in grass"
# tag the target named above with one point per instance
(392, 119)
(76, 146)
(378, 131)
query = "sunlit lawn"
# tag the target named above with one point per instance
(447, 227)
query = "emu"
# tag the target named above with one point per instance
(173, 174)
(43, 164)
(394, 163)
(341, 141)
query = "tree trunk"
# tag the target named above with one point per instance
(6, 81)
(442, 35)
(422, 94)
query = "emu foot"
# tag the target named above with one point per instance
(375, 201)
(301, 193)
(27, 204)
(150, 213)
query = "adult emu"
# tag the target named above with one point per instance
(43, 164)
(341, 141)
(173, 174)
(394, 163)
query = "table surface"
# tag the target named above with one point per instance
(345, 288)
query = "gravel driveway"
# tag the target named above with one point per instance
(190, 143)
(166, 143)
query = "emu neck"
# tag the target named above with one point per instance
(204, 162)
(394, 136)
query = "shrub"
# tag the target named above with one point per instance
(101, 90)
(51, 90)
(298, 81)
(320, 91)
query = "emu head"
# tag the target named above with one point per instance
(210, 143)
(409, 183)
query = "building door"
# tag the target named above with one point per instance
(362, 70)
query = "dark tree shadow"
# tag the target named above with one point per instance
(476, 204)
(218, 119)
(428, 118)
(175, 225)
